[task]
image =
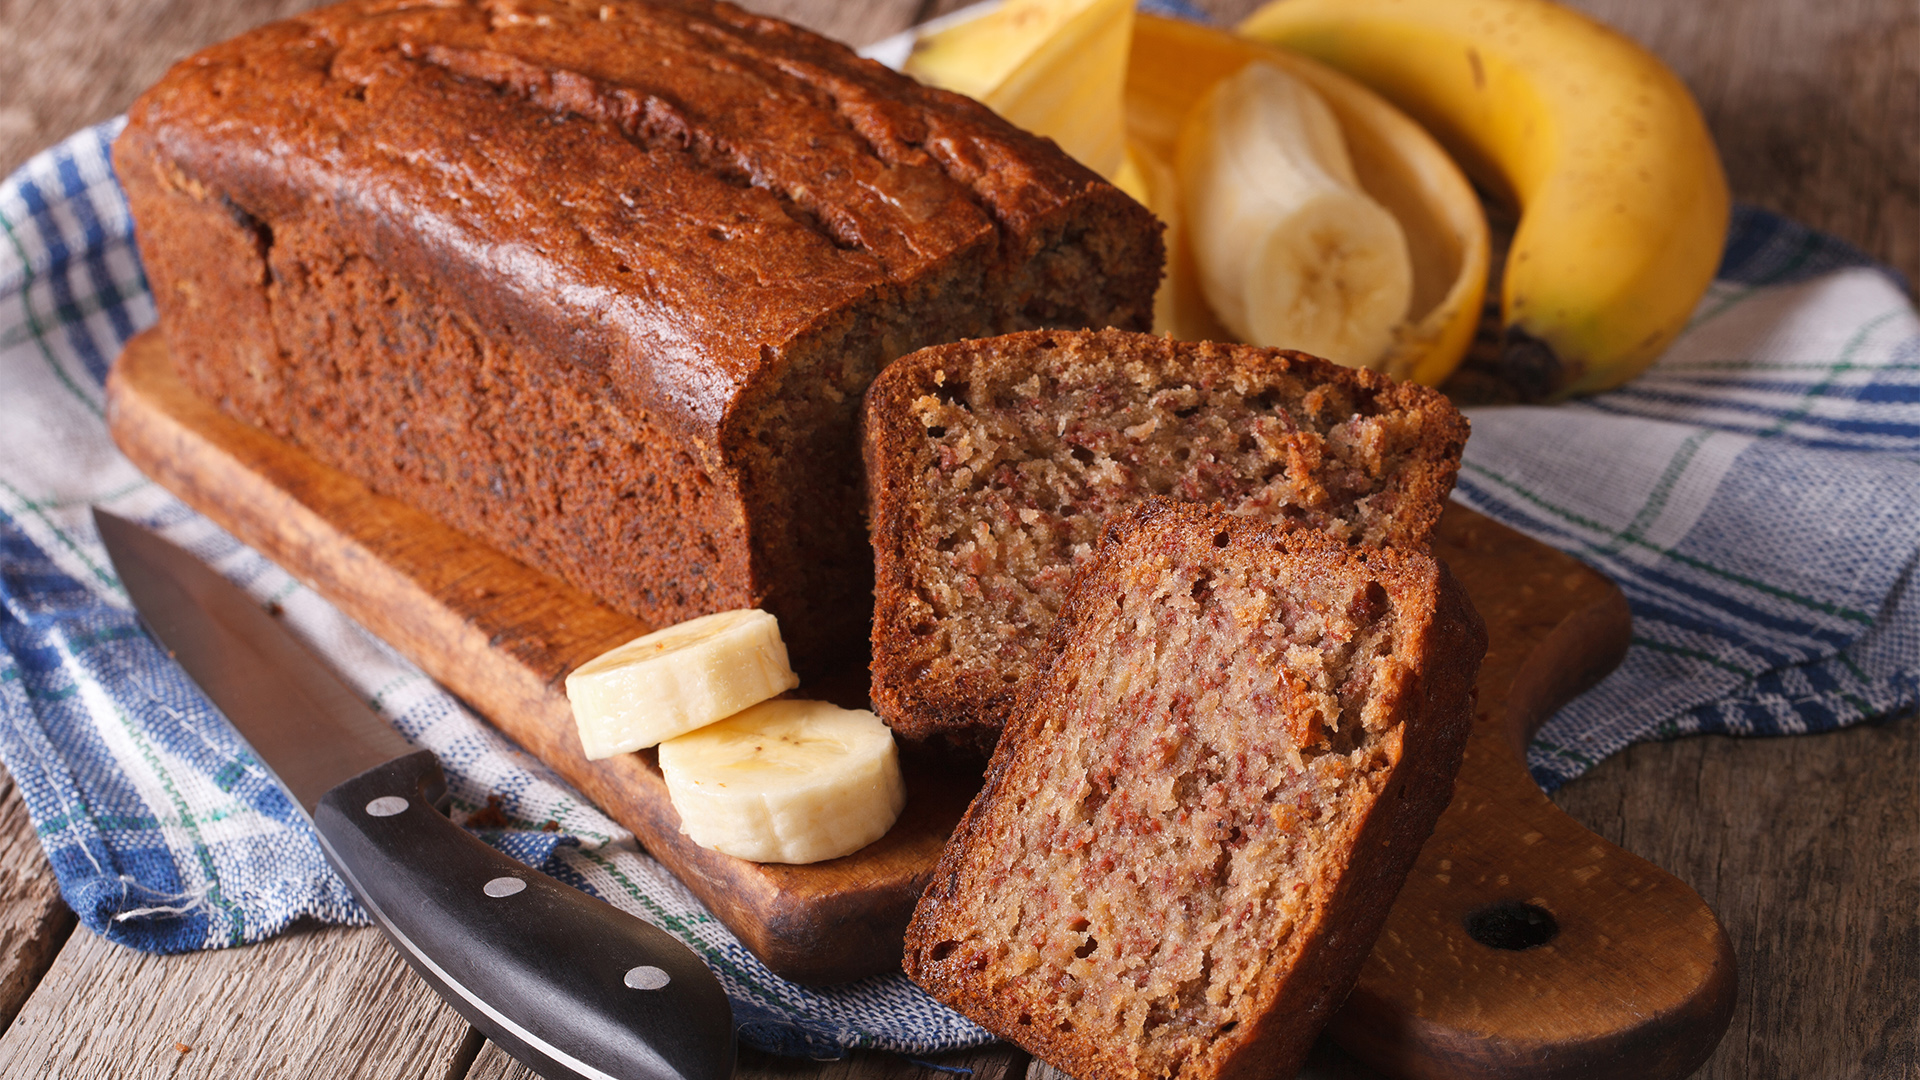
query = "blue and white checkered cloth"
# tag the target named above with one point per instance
(1757, 496)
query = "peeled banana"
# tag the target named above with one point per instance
(1173, 66)
(1290, 251)
(675, 680)
(1623, 201)
(786, 781)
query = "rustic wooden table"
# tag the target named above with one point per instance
(1808, 848)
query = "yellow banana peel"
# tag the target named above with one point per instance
(1622, 197)
(975, 55)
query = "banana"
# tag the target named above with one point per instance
(675, 680)
(1623, 200)
(1290, 251)
(1180, 307)
(786, 781)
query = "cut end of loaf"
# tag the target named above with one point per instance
(1159, 879)
(993, 466)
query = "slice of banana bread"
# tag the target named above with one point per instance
(601, 282)
(993, 465)
(1206, 800)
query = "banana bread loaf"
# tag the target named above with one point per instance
(602, 282)
(1206, 800)
(993, 465)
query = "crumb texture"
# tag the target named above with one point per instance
(1170, 815)
(1002, 461)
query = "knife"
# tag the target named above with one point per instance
(568, 984)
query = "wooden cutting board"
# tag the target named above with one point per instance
(1522, 945)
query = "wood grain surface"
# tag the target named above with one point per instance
(337, 1003)
(1636, 980)
(33, 921)
(1808, 848)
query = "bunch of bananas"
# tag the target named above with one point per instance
(1621, 199)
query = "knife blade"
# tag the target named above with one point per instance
(569, 985)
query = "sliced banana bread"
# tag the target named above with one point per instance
(992, 466)
(601, 282)
(1205, 801)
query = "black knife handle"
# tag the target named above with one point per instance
(570, 985)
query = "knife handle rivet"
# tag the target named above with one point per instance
(504, 886)
(646, 977)
(386, 806)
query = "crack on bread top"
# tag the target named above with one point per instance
(649, 121)
(884, 165)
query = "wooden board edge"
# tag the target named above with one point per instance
(1397, 1023)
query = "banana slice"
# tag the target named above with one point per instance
(786, 781)
(678, 679)
(1290, 251)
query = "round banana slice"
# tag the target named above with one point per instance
(786, 781)
(1290, 251)
(678, 679)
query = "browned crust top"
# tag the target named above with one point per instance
(678, 180)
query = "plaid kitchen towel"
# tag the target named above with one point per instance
(1757, 495)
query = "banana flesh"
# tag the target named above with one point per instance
(1175, 63)
(1290, 251)
(1623, 200)
(675, 680)
(786, 781)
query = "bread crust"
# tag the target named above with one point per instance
(602, 283)
(925, 689)
(1315, 963)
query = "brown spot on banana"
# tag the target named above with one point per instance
(1532, 369)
